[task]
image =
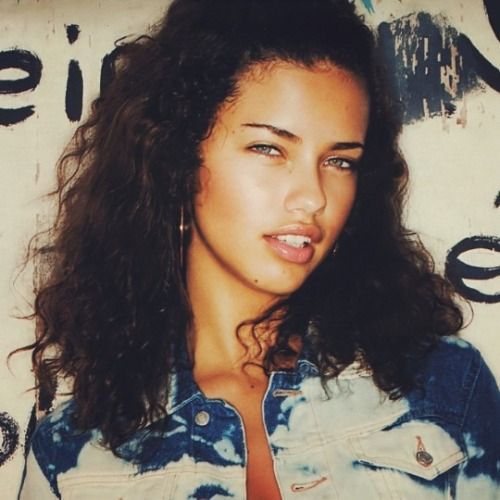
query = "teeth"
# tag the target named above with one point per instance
(294, 240)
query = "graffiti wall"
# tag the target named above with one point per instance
(444, 60)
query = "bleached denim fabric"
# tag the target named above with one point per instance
(440, 442)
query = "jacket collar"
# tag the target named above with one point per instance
(183, 388)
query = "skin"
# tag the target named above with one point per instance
(280, 159)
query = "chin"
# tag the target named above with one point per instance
(280, 286)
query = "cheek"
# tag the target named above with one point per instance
(230, 195)
(350, 197)
(341, 199)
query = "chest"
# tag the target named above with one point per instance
(246, 397)
(346, 447)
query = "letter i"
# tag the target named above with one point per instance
(74, 84)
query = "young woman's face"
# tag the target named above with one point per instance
(278, 177)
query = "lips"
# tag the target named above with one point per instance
(293, 243)
(478, 276)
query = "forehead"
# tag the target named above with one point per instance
(295, 97)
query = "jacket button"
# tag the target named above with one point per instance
(424, 458)
(202, 418)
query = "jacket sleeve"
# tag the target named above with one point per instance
(479, 476)
(35, 485)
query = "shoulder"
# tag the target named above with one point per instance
(452, 359)
(454, 380)
(451, 351)
(56, 442)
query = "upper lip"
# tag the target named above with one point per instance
(310, 230)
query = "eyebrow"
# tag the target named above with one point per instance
(296, 139)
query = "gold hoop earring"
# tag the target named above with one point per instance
(183, 229)
(335, 249)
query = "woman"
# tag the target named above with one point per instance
(232, 293)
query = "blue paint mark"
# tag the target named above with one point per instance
(419, 48)
(369, 6)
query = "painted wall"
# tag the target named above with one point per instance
(444, 56)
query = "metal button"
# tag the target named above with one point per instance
(424, 458)
(202, 418)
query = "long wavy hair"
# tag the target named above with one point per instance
(113, 310)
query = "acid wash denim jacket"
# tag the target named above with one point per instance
(439, 442)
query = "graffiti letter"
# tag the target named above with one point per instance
(74, 92)
(457, 270)
(107, 68)
(31, 64)
(10, 435)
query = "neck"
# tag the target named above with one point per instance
(219, 339)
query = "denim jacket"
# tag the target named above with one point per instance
(441, 441)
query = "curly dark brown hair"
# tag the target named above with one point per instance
(113, 310)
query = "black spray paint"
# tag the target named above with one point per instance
(492, 8)
(429, 70)
(32, 66)
(487, 71)
(457, 270)
(74, 84)
(10, 437)
(72, 32)
(30, 428)
(433, 66)
(107, 68)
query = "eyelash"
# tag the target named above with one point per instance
(259, 148)
(273, 152)
(351, 164)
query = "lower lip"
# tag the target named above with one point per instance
(289, 253)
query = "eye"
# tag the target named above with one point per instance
(266, 150)
(340, 163)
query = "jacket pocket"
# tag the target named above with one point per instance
(419, 448)
(116, 486)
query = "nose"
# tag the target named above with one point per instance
(305, 190)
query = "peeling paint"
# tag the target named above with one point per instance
(430, 71)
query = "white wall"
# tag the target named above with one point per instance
(454, 155)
